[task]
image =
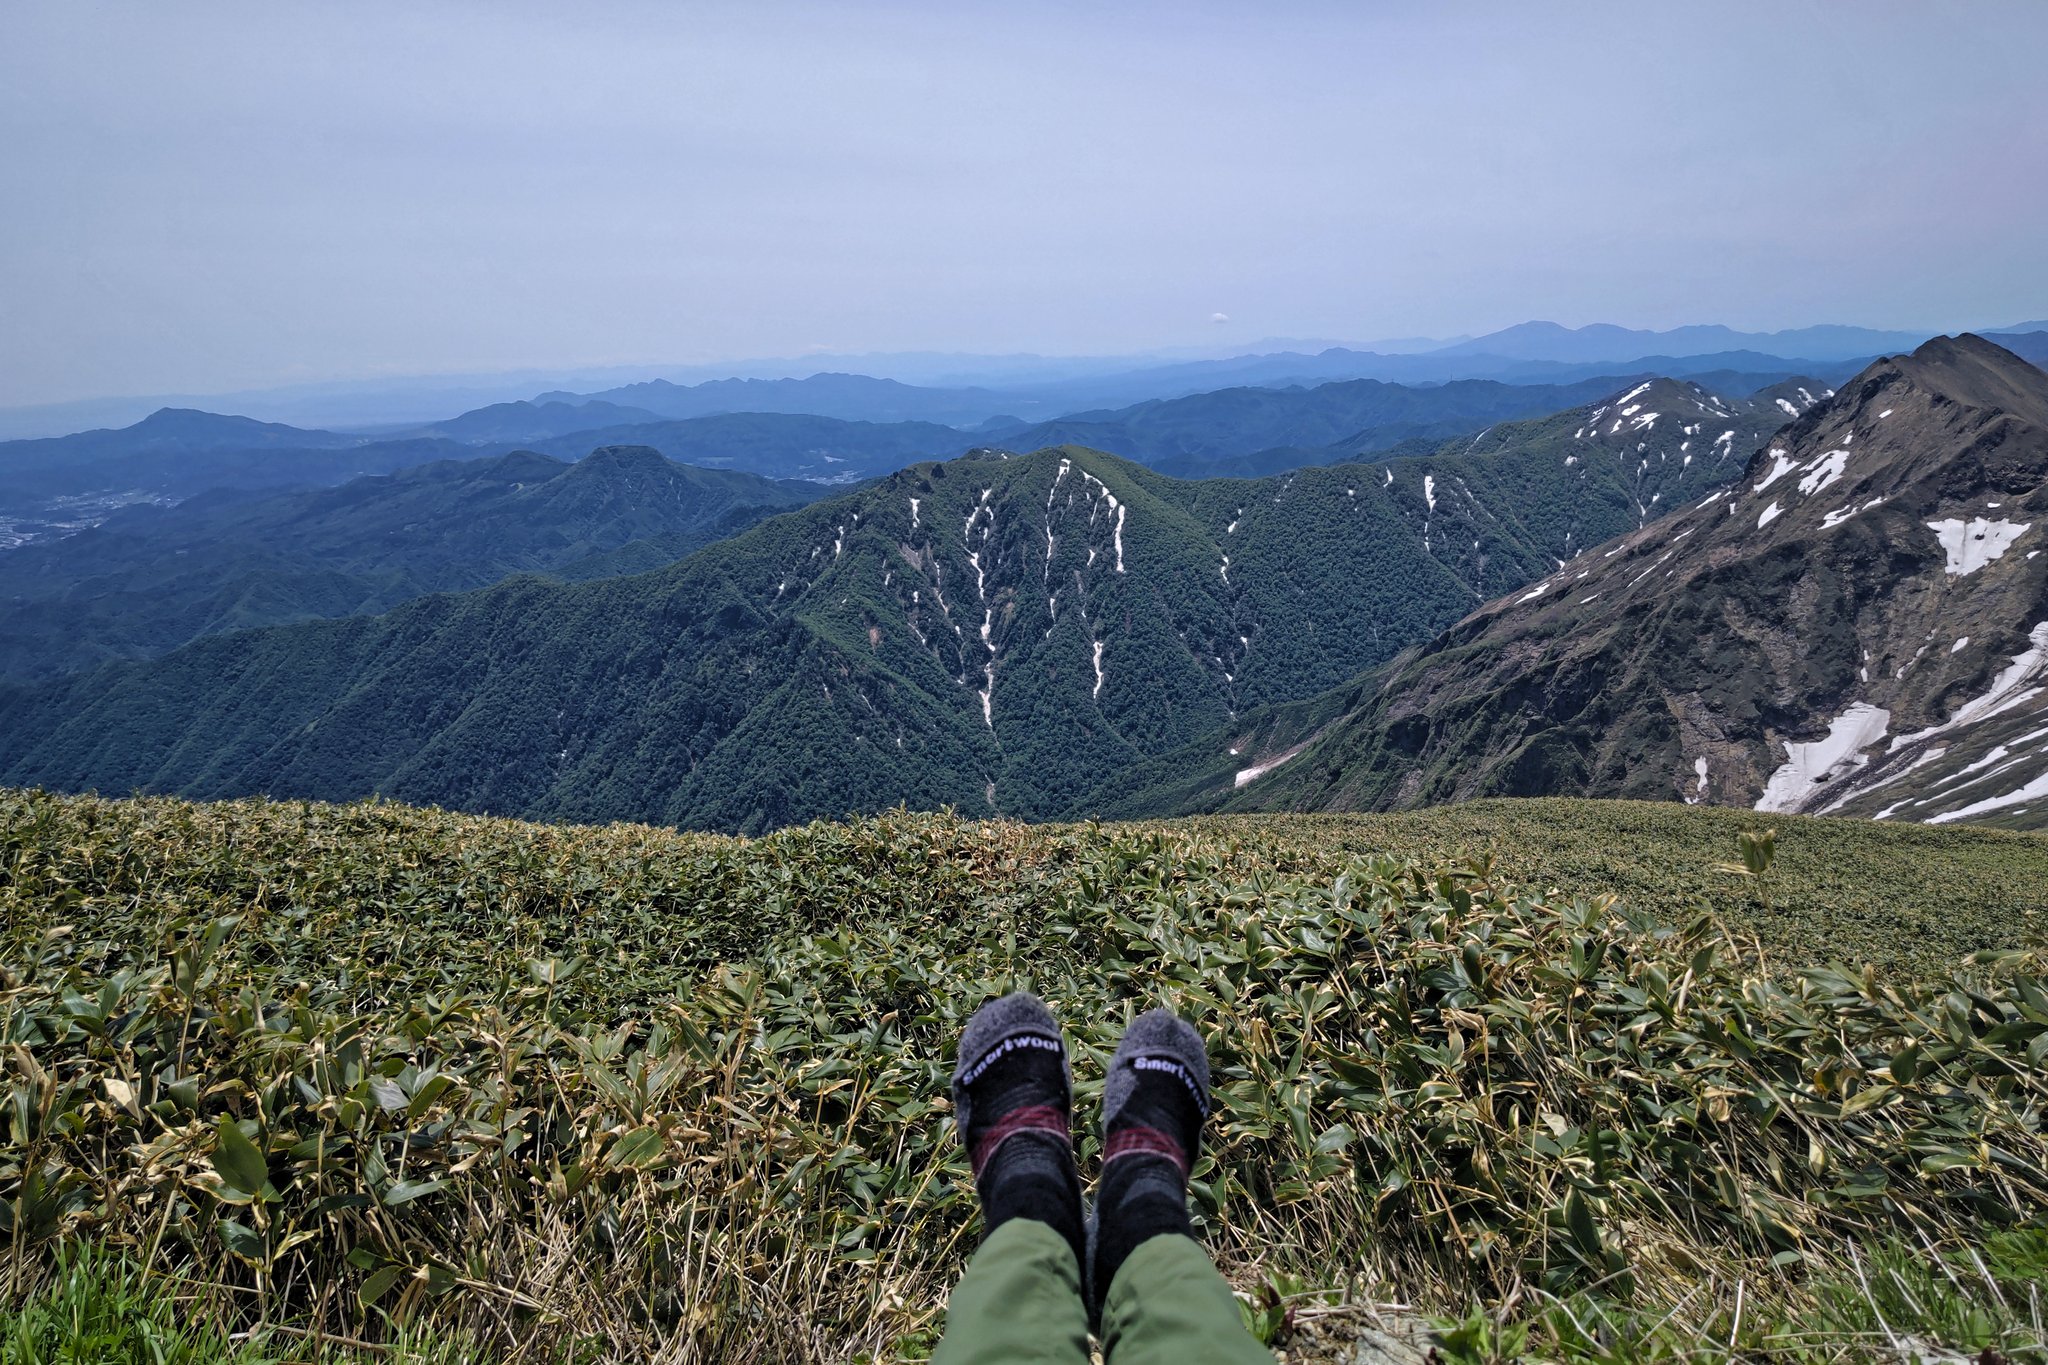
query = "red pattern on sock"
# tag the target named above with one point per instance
(1035, 1118)
(1138, 1140)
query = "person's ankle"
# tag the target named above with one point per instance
(1012, 1103)
(1155, 1100)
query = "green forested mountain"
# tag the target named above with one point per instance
(50, 488)
(994, 632)
(851, 397)
(779, 445)
(167, 431)
(150, 578)
(1328, 422)
(177, 452)
(533, 421)
(1860, 626)
(1626, 460)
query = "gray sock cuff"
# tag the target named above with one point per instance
(1163, 1037)
(998, 1022)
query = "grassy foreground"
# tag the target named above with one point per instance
(378, 1081)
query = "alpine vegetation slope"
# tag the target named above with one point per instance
(999, 633)
(1859, 626)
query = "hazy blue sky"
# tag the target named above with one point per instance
(208, 196)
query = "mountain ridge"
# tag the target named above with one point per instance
(1602, 341)
(1867, 583)
(996, 632)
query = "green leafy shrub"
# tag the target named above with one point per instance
(365, 1066)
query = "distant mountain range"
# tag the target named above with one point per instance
(2031, 346)
(1807, 598)
(1330, 421)
(1033, 387)
(780, 445)
(1248, 431)
(994, 411)
(1860, 626)
(1734, 372)
(173, 455)
(850, 397)
(1534, 353)
(996, 632)
(535, 421)
(150, 579)
(1604, 343)
(177, 452)
(167, 432)
(1255, 432)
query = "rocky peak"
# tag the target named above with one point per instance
(1869, 601)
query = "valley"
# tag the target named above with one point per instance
(1045, 633)
(997, 633)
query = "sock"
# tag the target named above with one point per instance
(1150, 1143)
(1018, 1135)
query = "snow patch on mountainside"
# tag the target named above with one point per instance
(1782, 465)
(1920, 760)
(1842, 514)
(1972, 544)
(1815, 763)
(1824, 471)
(2036, 788)
(2016, 685)
(1259, 770)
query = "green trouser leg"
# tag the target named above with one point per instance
(1169, 1306)
(1020, 1301)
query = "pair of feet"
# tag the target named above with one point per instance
(1013, 1104)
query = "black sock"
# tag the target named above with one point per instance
(1150, 1144)
(1019, 1137)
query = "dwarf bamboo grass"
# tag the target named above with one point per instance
(621, 1093)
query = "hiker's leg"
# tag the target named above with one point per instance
(1012, 1107)
(1156, 1297)
(1020, 1301)
(1169, 1306)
